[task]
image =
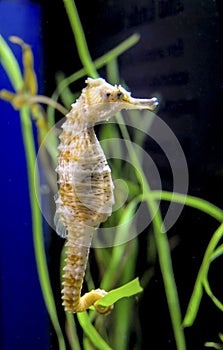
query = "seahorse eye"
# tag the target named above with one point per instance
(119, 95)
(107, 95)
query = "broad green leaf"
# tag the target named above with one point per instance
(127, 290)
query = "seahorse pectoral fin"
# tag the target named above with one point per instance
(61, 229)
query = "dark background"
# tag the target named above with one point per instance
(179, 58)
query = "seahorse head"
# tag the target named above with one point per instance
(102, 100)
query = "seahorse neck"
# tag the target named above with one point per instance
(78, 134)
(78, 118)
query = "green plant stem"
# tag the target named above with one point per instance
(12, 69)
(210, 254)
(116, 262)
(160, 238)
(191, 201)
(161, 243)
(38, 239)
(209, 292)
(213, 345)
(48, 101)
(91, 332)
(218, 252)
(98, 63)
(80, 39)
(10, 65)
(202, 275)
(72, 332)
(124, 311)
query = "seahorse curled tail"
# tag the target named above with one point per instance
(74, 271)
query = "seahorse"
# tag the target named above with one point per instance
(85, 195)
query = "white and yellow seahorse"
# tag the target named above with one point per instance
(85, 195)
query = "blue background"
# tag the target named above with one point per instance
(23, 317)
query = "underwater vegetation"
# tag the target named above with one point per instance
(117, 263)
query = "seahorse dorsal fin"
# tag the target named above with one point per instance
(61, 229)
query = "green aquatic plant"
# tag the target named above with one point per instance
(215, 345)
(25, 98)
(95, 332)
(13, 71)
(25, 102)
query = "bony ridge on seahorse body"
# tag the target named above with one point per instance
(85, 194)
